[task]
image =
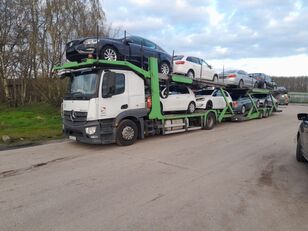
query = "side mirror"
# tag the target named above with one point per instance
(302, 116)
(210, 66)
(109, 82)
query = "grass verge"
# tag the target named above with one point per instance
(30, 123)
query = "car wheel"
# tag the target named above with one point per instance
(191, 107)
(110, 53)
(210, 121)
(127, 133)
(209, 105)
(164, 68)
(243, 109)
(191, 74)
(258, 103)
(215, 79)
(264, 85)
(161, 108)
(241, 84)
(299, 151)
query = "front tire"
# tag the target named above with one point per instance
(299, 152)
(164, 68)
(127, 133)
(209, 105)
(191, 107)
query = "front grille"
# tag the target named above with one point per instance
(75, 117)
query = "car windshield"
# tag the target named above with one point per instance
(83, 86)
(178, 57)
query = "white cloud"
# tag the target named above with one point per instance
(237, 30)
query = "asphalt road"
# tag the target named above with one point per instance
(239, 176)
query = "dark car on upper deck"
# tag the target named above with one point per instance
(135, 49)
(264, 81)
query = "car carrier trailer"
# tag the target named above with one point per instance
(124, 103)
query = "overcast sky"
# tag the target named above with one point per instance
(268, 36)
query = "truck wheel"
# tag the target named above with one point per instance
(127, 133)
(210, 121)
(299, 152)
(191, 107)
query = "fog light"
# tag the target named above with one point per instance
(90, 130)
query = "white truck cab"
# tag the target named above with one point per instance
(97, 100)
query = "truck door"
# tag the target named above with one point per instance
(113, 104)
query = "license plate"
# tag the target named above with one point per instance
(72, 138)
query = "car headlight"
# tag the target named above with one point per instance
(90, 130)
(90, 41)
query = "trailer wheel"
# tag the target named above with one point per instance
(299, 151)
(210, 121)
(127, 133)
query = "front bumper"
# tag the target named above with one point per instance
(105, 132)
(79, 52)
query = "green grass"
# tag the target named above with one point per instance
(31, 122)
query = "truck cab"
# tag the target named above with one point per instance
(98, 100)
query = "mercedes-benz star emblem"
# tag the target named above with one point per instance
(73, 115)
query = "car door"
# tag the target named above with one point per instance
(135, 49)
(194, 64)
(184, 98)
(207, 71)
(149, 50)
(171, 102)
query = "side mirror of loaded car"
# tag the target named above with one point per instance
(210, 66)
(302, 116)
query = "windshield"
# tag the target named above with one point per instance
(83, 86)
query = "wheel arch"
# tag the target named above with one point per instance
(135, 115)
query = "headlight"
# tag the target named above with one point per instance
(89, 41)
(90, 130)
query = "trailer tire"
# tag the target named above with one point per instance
(127, 132)
(299, 151)
(210, 121)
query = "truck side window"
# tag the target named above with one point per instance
(120, 84)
